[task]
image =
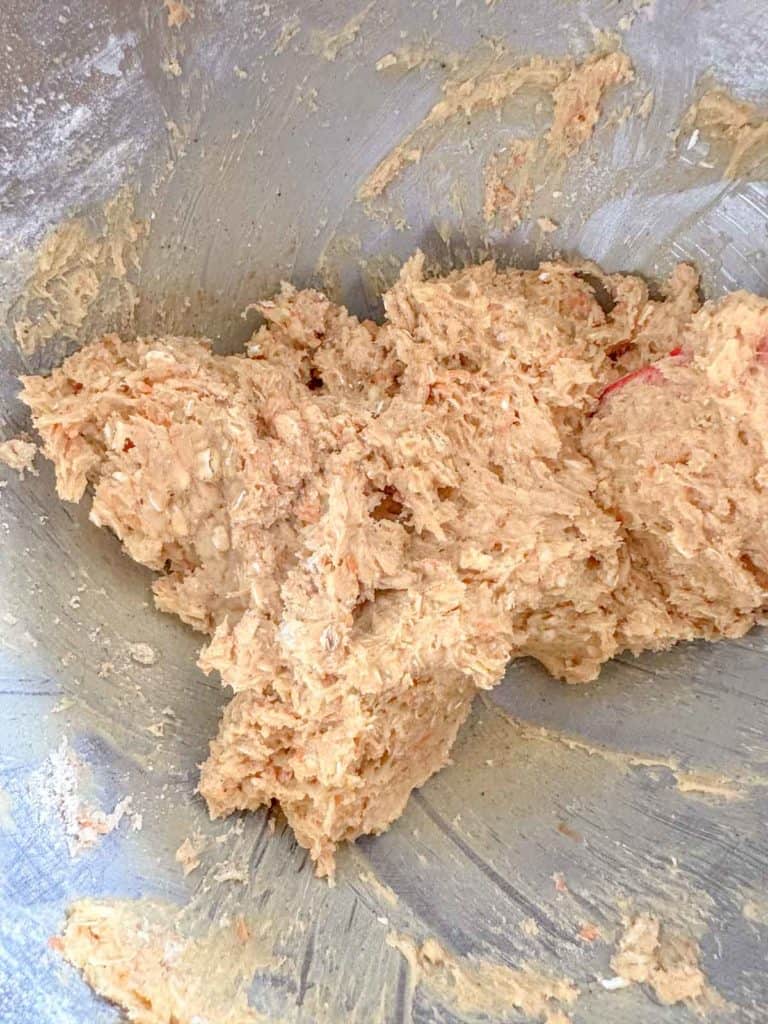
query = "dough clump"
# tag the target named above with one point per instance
(368, 522)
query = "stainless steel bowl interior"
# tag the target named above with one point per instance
(244, 166)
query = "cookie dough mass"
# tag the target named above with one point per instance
(368, 522)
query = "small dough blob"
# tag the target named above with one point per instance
(19, 454)
(369, 521)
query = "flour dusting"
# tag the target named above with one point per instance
(56, 796)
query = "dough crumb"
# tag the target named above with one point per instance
(736, 128)
(708, 784)
(645, 108)
(229, 872)
(481, 988)
(577, 91)
(511, 174)
(509, 183)
(178, 13)
(172, 67)
(756, 910)
(137, 955)
(408, 58)
(379, 888)
(79, 271)
(19, 454)
(188, 855)
(389, 60)
(142, 654)
(547, 225)
(289, 29)
(667, 961)
(330, 44)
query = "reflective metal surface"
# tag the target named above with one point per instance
(245, 165)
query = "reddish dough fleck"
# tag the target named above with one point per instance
(646, 375)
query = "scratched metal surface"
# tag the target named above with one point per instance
(263, 188)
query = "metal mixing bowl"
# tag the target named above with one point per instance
(245, 167)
